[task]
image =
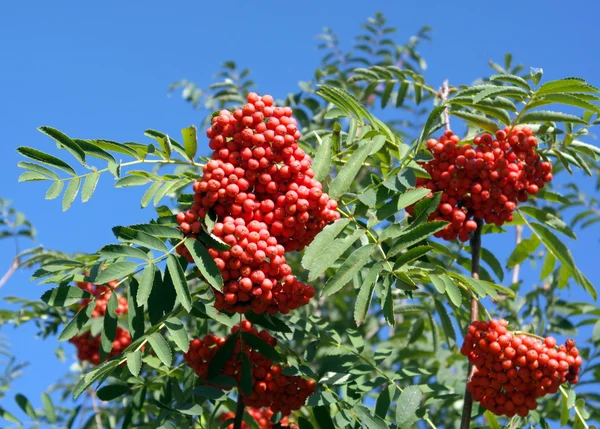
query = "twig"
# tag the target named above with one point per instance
(443, 94)
(10, 272)
(239, 413)
(465, 421)
(96, 409)
(516, 269)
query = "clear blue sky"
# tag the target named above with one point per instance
(102, 70)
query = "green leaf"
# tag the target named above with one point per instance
(92, 149)
(150, 192)
(365, 294)
(415, 235)
(446, 322)
(246, 377)
(490, 259)
(190, 141)
(109, 330)
(135, 313)
(348, 172)
(548, 265)
(509, 91)
(525, 248)
(161, 348)
(329, 255)
(384, 401)
(322, 241)
(408, 404)
(565, 86)
(179, 282)
(349, 268)
(438, 283)
(30, 176)
(568, 99)
(491, 420)
(562, 253)
(411, 255)
(128, 234)
(8, 416)
(89, 186)
(477, 120)
(452, 290)
(134, 362)
(98, 372)
(115, 271)
(221, 357)
(115, 147)
(370, 420)
(131, 181)
(64, 296)
(322, 162)
(45, 158)
(146, 283)
(213, 242)
(261, 346)
(49, 409)
(112, 391)
(54, 190)
(549, 116)
(178, 333)
(424, 208)
(120, 250)
(205, 263)
(78, 322)
(547, 218)
(64, 141)
(323, 417)
(25, 405)
(158, 230)
(70, 193)
(511, 78)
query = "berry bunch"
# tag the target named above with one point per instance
(260, 185)
(102, 295)
(484, 181)
(88, 347)
(512, 371)
(262, 416)
(270, 387)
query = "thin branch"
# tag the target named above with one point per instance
(239, 412)
(516, 269)
(465, 421)
(96, 409)
(10, 272)
(443, 94)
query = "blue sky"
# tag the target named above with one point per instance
(102, 70)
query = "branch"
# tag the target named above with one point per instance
(443, 94)
(96, 409)
(10, 272)
(239, 412)
(516, 269)
(465, 421)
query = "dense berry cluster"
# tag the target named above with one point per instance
(482, 181)
(260, 185)
(262, 416)
(88, 347)
(512, 371)
(271, 388)
(102, 295)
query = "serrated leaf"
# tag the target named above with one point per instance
(30, 176)
(415, 235)
(411, 255)
(178, 333)
(150, 193)
(130, 235)
(446, 323)
(112, 391)
(452, 290)
(525, 248)
(161, 348)
(261, 346)
(365, 294)
(190, 141)
(134, 362)
(135, 313)
(115, 271)
(78, 322)
(332, 252)
(549, 116)
(64, 141)
(408, 404)
(565, 86)
(510, 91)
(348, 172)
(370, 420)
(349, 268)
(205, 263)
(179, 282)
(146, 284)
(478, 120)
(119, 250)
(127, 181)
(548, 265)
(70, 193)
(64, 296)
(221, 357)
(45, 158)
(49, 409)
(109, 330)
(98, 372)
(511, 78)
(490, 259)
(322, 240)
(89, 186)
(246, 376)
(547, 218)
(54, 190)
(322, 162)
(491, 420)
(25, 405)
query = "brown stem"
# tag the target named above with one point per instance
(239, 412)
(465, 421)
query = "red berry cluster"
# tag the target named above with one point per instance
(512, 371)
(484, 181)
(271, 388)
(260, 185)
(102, 295)
(262, 416)
(88, 347)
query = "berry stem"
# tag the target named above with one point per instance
(475, 243)
(239, 413)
